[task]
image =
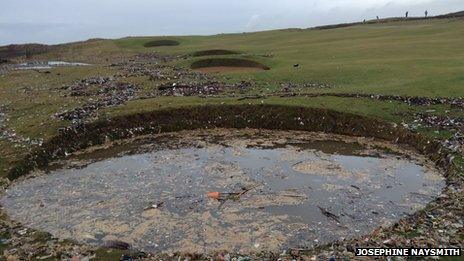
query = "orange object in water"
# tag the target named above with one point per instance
(214, 194)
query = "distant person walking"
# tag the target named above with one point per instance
(407, 14)
(426, 13)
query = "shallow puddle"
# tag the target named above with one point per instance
(47, 65)
(277, 190)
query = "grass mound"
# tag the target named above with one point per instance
(158, 43)
(213, 52)
(228, 62)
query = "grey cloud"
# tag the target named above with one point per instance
(55, 21)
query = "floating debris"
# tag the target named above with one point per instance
(329, 214)
(110, 193)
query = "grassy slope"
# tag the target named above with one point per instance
(408, 58)
(424, 58)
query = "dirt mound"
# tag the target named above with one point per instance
(272, 117)
(158, 43)
(224, 64)
(213, 52)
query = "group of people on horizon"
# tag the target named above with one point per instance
(426, 14)
(407, 15)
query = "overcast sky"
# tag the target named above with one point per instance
(58, 21)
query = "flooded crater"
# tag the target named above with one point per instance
(235, 190)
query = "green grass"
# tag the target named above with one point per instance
(406, 57)
(424, 58)
(417, 58)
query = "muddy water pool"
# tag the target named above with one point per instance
(277, 190)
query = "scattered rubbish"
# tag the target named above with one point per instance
(329, 214)
(229, 196)
(115, 182)
(214, 195)
(410, 100)
(22, 231)
(109, 92)
(299, 87)
(155, 206)
(293, 196)
(439, 122)
(201, 88)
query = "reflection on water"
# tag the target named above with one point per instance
(47, 65)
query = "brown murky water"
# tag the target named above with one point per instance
(287, 189)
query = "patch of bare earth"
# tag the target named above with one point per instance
(228, 69)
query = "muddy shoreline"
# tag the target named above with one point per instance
(426, 223)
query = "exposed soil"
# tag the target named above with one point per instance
(410, 100)
(213, 52)
(158, 43)
(217, 63)
(228, 69)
